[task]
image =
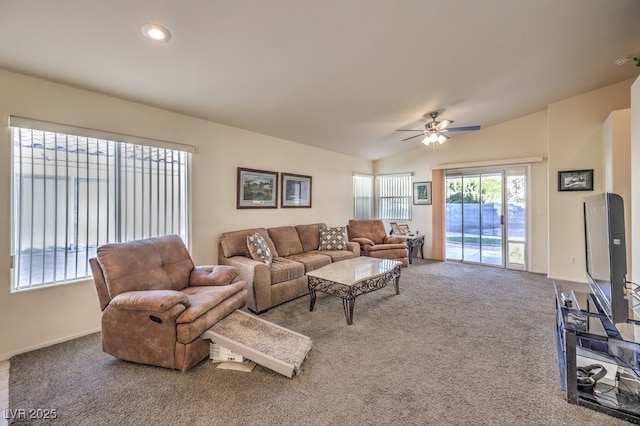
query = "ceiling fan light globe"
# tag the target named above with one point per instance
(442, 138)
(433, 137)
(426, 141)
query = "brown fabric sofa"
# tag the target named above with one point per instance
(155, 303)
(295, 251)
(372, 237)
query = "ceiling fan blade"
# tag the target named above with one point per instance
(406, 139)
(462, 129)
(443, 124)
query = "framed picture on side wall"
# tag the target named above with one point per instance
(422, 193)
(257, 189)
(575, 180)
(295, 190)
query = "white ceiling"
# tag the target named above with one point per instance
(337, 74)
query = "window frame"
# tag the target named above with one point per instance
(111, 168)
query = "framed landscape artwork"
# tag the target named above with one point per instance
(257, 189)
(575, 180)
(295, 190)
(422, 193)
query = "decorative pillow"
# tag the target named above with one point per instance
(259, 249)
(332, 238)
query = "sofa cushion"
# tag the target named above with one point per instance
(234, 243)
(286, 240)
(259, 249)
(283, 269)
(336, 255)
(310, 235)
(332, 238)
(311, 260)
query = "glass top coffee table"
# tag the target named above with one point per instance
(350, 278)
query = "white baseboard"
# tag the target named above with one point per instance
(9, 355)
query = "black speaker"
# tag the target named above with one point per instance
(589, 375)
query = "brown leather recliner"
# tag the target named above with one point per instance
(374, 241)
(155, 303)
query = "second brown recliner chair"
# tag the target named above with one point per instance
(374, 241)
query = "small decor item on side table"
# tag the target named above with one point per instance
(257, 189)
(575, 180)
(422, 193)
(295, 190)
(395, 229)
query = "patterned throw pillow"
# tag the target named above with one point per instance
(332, 239)
(259, 249)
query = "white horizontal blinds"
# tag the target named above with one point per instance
(74, 193)
(394, 196)
(362, 196)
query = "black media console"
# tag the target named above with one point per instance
(599, 361)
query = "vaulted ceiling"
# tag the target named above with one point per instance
(343, 75)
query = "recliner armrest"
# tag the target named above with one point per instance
(149, 300)
(363, 241)
(394, 240)
(213, 275)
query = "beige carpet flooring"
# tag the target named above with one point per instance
(460, 345)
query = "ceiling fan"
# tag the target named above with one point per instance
(436, 131)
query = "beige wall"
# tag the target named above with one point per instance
(575, 142)
(37, 318)
(616, 165)
(521, 138)
(568, 135)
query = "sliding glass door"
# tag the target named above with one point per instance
(485, 216)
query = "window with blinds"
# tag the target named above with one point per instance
(394, 196)
(75, 189)
(362, 196)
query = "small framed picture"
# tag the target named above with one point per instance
(395, 229)
(295, 190)
(257, 189)
(575, 180)
(404, 229)
(422, 193)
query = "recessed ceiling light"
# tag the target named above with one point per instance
(156, 32)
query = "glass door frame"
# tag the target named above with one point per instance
(507, 242)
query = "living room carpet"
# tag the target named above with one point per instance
(460, 344)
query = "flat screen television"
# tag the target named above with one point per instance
(606, 253)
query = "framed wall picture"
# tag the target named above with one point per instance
(295, 190)
(575, 180)
(422, 193)
(257, 189)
